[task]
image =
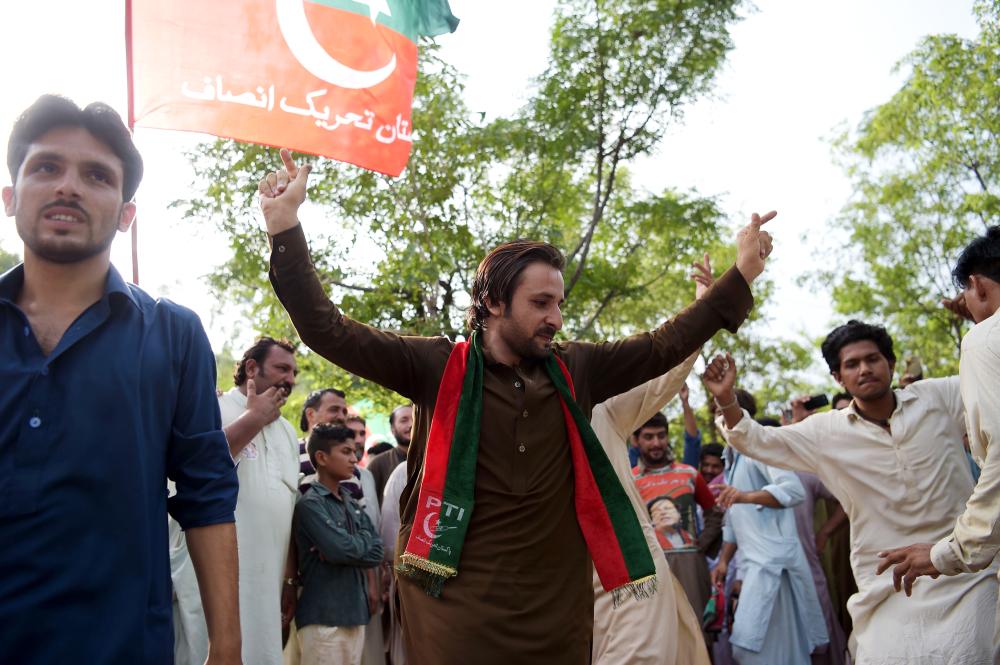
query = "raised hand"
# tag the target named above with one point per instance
(282, 192)
(753, 246)
(720, 378)
(702, 276)
(799, 410)
(958, 307)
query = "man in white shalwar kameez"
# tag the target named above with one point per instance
(661, 629)
(266, 451)
(974, 542)
(895, 461)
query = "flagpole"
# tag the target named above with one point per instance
(131, 128)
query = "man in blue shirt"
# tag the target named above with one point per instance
(107, 394)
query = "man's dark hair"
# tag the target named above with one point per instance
(498, 275)
(258, 352)
(658, 420)
(840, 396)
(712, 450)
(746, 401)
(980, 257)
(851, 332)
(392, 416)
(324, 437)
(358, 418)
(769, 422)
(103, 122)
(312, 401)
(379, 448)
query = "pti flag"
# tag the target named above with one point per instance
(325, 77)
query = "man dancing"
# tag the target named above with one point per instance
(974, 542)
(894, 460)
(497, 420)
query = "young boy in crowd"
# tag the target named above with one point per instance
(336, 542)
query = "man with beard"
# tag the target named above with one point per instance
(266, 451)
(509, 500)
(659, 475)
(895, 461)
(107, 395)
(383, 464)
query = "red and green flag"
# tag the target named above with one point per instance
(326, 77)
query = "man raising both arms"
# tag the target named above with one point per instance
(497, 423)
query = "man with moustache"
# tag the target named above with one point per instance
(107, 394)
(383, 464)
(522, 587)
(328, 406)
(895, 461)
(266, 451)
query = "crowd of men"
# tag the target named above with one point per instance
(531, 508)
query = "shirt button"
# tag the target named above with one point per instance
(517, 384)
(281, 249)
(521, 448)
(27, 331)
(525, 414)
(36, 422)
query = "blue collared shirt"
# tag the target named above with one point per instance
(89, 436)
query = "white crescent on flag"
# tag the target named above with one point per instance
(294, 25)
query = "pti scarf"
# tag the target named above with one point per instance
(607, 519)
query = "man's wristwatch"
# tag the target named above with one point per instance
(292, 581)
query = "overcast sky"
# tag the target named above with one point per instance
(800, 70)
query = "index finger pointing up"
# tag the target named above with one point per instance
(289, 163)
(759, 221)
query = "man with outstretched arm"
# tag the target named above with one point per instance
(509, 498)
(894, 460)
(974, 542)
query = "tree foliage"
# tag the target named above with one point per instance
(926, 173)
(8, 260)
(400, 253)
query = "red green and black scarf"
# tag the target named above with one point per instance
(605, 513)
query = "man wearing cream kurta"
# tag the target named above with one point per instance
(975, 539)
(901, 478)
(661, 629)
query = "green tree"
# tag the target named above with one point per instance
(926, 173)
(400, 253)
(8, 260)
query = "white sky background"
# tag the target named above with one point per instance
(799, 70)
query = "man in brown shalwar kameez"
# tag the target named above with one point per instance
(523, 593)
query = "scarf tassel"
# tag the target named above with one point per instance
(426, 574)
(638, 589)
